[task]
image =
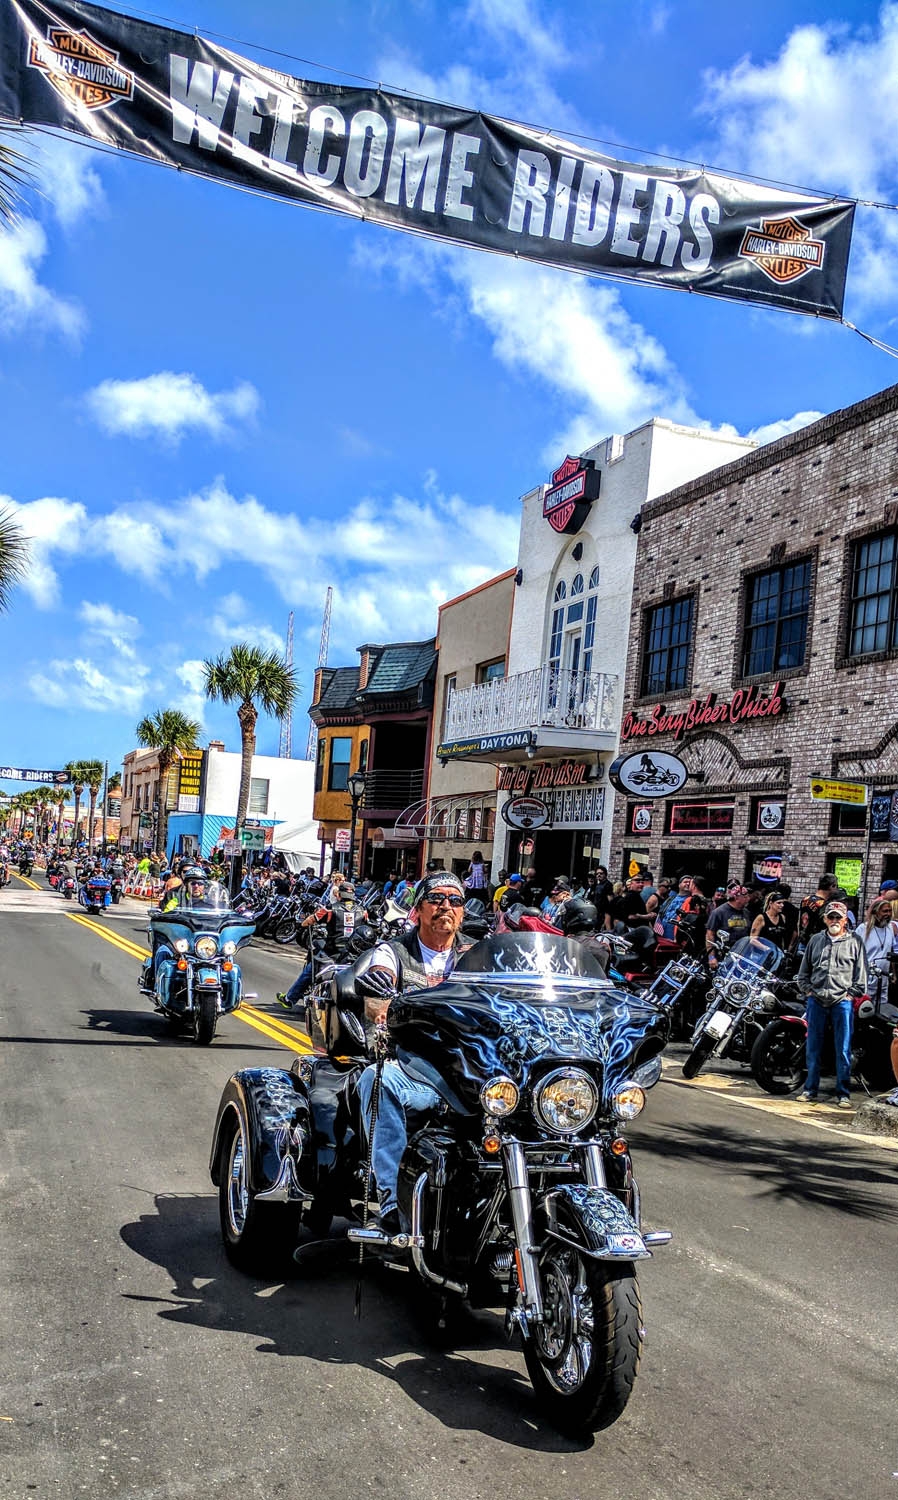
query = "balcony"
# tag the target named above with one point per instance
(548, 712)
(388, 792)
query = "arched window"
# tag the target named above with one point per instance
(594, 578)
(560, 590)
(577, 585)
(592, 609)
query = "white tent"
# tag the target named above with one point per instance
(298, 842)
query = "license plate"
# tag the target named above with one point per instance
(719, 1024)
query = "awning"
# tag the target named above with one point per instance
(394, 838)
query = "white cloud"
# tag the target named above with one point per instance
(170, 405)
(66, 177)
(79, 684)
(111, 626)
(52, 526)
(822, 113)
(231, 623)
(24, 301)
(518, 22)
(192, 700)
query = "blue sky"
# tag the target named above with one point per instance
(212, 405)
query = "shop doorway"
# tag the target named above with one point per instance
(711, 865)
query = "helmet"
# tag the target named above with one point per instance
(578, 915)
(346, 892)
(193, 872)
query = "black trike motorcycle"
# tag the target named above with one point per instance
(517, 1190)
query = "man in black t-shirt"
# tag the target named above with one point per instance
(731, 917)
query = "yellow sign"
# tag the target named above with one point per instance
(848, 873)
(838, 791)
(633, 868)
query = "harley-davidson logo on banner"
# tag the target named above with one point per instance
(574, 487)
(431, 168)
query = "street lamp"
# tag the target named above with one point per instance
(355, 786)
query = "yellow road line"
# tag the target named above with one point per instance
(25, 881)
(270, 1026)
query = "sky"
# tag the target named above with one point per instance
(213, 406)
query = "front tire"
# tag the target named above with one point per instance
(205, 1019)
(699, 1056)
(258, 1237)
(584, 1361)
(285, 931)
(778, 1058)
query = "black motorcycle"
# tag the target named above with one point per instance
(518, 1188)
(739, 1004)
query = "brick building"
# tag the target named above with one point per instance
(763, 653)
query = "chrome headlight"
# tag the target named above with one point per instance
(229, 948)
(566, 1100)
(499, 1097)
(677, 973)
(738, 990)
(768, 1000)
(206, 947)
(180, 945)
(629, 1103)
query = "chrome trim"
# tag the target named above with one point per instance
(657, 1237)
(566, 1072)
(416, 1242)
(286, 1187)
(522, 1218)
(563, 1239)
(360, 1236)
(594, 1165)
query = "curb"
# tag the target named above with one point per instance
(878, 1116)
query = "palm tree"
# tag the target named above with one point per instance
(13, 545)
(42, 796)
(169, 732)
(63, 796)
(14, 177)
(94, 770)
(76, 772)
(249, 676)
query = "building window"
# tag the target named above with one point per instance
(556, 637)
(319, 764)
(844, 819)
(594, 579)
(489, 825)
(874, 587)
(489, 671)
(776, 620)
(668, 636)
(577, 585)
(258, 796)
(560, 590)
(341, 754)
(448, 690)
(363, 756)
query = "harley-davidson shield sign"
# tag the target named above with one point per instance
(575, 485)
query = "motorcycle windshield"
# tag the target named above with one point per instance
(516, 1002)
(750, 953)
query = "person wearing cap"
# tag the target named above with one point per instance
(832, 975)
(888, 891)
(559, 892)
(419, 959)
(510, 890)
(730, 917)
(338, 911)
(810, 912)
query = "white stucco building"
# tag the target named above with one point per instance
(552, 723)
(280, 800)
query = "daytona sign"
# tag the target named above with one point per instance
(745, 704)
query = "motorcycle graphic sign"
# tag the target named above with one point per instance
(648, 774)
(526, 812)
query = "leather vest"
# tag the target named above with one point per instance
(410, 965)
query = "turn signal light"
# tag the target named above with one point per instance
(619, 1147)
(228, 966)
(491, 1144)
(182, 963)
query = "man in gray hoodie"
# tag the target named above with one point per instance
(833, 973)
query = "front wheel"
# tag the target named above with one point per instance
(285, 931)
(583, 1360)
(258, 1237)
(205, 1018)
(778, 1057)
(699, 1055)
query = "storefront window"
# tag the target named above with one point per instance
(874, 596)
(668, 636)
(776, 619)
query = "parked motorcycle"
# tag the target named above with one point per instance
(519, 1187)
(94, 893)
(195, 978)
(779, 1056)
(739, 1004)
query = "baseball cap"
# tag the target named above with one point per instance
(561, 884)
(835, 909)
(515, 880)
(889, 885)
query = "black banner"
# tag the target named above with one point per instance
(20, 773)
(430, 168)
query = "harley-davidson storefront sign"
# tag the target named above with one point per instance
(746, 704)
(574, 487)
(526, 779)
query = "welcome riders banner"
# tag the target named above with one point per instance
(450, 173)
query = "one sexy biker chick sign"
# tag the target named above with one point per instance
(428, 168)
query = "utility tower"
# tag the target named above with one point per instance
(322, 662)
(285, 749)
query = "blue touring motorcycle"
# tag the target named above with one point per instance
(196, 977)
(517, 1190)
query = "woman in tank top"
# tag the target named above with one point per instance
(770, 923)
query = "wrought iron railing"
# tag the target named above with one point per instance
(546, 695)
(392, 789)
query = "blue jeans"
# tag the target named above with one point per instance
(300, 985)
(398, 1093)
(842, 1014)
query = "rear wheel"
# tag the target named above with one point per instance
(778, 1057)
(285, 931)
(699, 1055)
(583, 1361)
(259, 1238)
(205, 1018)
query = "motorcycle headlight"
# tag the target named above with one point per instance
(499, 1097)
(566, 1100)
(629, 1103)
(738, 990)
(180, 945)
(229, 948)
(767, 1000)
(206, 947)
(677, 973)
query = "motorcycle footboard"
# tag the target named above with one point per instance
(610, 1232)
(273, 1108)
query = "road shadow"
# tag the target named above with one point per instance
(149, 1029)
(818, 1171)
(312, 1317)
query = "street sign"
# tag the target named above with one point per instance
(854, 792)
(230, 848)
(252, 838)
(525, 812)
(342, 841)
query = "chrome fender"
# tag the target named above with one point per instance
(272, 1106)
(609, 1233)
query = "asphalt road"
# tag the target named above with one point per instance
(134, 1362)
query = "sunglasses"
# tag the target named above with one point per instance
(834, 916)
(445, 900)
